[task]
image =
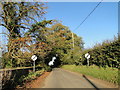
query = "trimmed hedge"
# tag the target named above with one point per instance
(105, 54)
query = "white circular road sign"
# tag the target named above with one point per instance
(87, 55)
(34, 57)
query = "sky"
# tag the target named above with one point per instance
(101, 25)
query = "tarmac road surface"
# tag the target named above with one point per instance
(60, 78)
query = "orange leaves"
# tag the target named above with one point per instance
(35, 8)
(19, 42)
(41, 48)
(62, 31)
(63, 38)
(22, 39)
(40, 45)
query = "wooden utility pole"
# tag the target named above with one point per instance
(73, 40)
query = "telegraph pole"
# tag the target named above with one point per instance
(73, 44)
(73, 40)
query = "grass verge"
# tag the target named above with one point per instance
(107, 74)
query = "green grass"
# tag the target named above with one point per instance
(107, 74)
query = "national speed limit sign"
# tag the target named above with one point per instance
(34, 57)
(87, 55)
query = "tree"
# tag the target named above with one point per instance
(22, 55)
(38, 34)
(60, 39)
(57, 38)
(15, 16)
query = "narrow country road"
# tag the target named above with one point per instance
(60, 78)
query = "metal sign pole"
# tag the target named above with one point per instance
(34, 66)
(87, 56)
(34, 57)
(88, 62)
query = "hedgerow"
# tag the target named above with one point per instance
(105, 54)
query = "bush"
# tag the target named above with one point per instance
(105, 54)
(48, 68)
(32, 75)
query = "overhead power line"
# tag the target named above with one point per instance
(85, 20)
(89, 15)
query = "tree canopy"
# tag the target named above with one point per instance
(30, 34)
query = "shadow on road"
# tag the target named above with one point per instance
(91, 83)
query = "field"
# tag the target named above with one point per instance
(107, 74)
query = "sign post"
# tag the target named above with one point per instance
(34, 66)
(34, 57)
(87, 55)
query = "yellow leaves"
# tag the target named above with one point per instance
(58, 34)
(62, 31)
(63, 38)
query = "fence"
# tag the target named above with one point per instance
(10, 78)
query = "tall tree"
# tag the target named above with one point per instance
(17, 16)
(57, 36)
(62, 43)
